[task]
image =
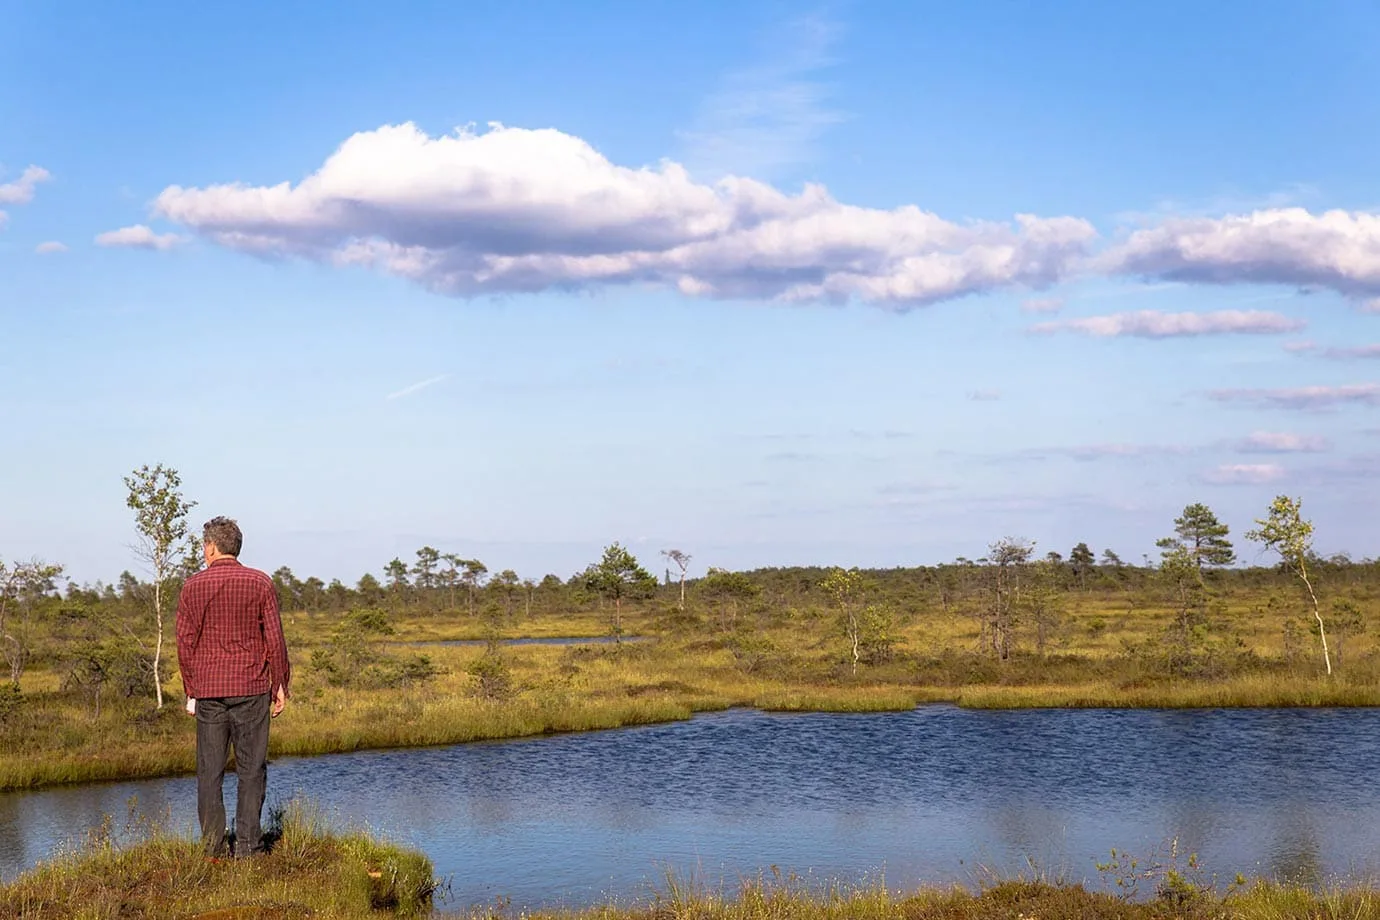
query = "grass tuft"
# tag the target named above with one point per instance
(146, 871)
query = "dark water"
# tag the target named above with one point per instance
(935, 795)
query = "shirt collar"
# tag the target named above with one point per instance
(225, 560)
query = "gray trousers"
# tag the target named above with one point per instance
(241, 722)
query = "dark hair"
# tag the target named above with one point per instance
(225, 534)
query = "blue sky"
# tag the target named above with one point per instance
(862, 283)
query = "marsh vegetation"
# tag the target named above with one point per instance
(1011, 629)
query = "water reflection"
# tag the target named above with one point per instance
(935, 795)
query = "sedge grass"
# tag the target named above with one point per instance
(152, 873)
(685, 667)
(1004, 899)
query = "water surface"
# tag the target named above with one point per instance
(934, 795)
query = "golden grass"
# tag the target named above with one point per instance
(1010, 899)
(691, 664)
(312, 871)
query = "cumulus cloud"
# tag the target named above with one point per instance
(138, 237)
(1148, 324)
(1244, 474)
(1280, 442)
(511, 209)
(1312, 397)
(49, 247)
(21, 190)
(1042, 305)
(1339, 250)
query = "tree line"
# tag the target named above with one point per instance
(114, 635)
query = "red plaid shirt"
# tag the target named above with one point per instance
(229, 637)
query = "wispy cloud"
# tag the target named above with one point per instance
(914, 489)
(1042, 305)
(1090, 452)
(1355, 351)
(768, 117)
(1148, 324)
(50, 247)
(1244, 474)
(21, 190)
(1113, 451)
(1312, 397)
(1222, 203)
(984, 395)
(416, 387)
(137, 237)
(1301, 347)
(1280, 442)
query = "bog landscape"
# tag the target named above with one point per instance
(744, 460)
(440, 650)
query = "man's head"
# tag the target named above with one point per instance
(221, 536)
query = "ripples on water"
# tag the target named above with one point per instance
(923, 796)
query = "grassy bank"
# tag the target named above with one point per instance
(1008, 900)
(776, 657)
(144, 871)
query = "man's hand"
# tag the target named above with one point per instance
(191, 706)
(279, 702)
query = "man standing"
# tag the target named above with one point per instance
(235, 672)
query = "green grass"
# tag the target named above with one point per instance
(145, 871)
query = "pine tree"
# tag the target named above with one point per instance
(1205, 537)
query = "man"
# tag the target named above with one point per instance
(235, 672)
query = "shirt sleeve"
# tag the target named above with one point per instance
(278, 664)
(188, 630)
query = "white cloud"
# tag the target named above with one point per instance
(1042, 305)
(1301, 347)
(1312, 397)
(512, 209)
(51, 246)
(1149, 324)
(1244, 474)
(1279, 442)
(413, 388)
(1339, 250)
(138, 237)
(21, 190)
(1369, 305)
(984, 395)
